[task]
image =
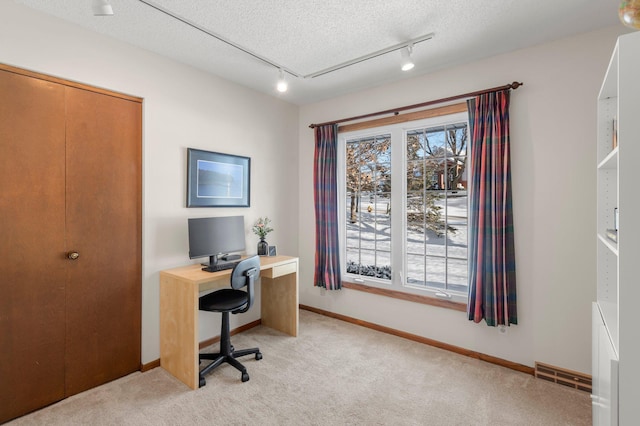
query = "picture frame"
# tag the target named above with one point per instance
(215, 179)
(273, 251)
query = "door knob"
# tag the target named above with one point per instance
(73, 255)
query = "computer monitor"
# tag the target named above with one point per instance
(215, 236)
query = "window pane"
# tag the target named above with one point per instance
(435, 243)
(368, 225)
(457, 275)
(383, 264)
(434, 208)
(415, 206)
(458, 224)
(353, 238)
(382, 175)
(456, 139)
(436, 272)
(457, 241)
(434, 142)
(434, 172)
(415, 270)
(353, 261)
(382, 211)
(383, 149)
(417, 179)
(368, 263)
(415, 148)
(458, 174)
(351, 202)
(415, 232)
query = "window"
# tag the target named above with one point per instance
(404, 220)
(368, 223)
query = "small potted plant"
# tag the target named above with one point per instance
(261, 228)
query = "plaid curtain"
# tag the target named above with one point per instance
(325, 185)
(492, 266)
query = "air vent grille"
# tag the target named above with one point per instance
(563, 377)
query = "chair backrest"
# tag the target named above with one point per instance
(245, 273)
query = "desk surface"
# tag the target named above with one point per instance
(195, 274)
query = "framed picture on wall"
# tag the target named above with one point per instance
(215, 179)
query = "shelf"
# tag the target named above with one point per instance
(608, 243)
(610, 162)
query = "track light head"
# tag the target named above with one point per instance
(407, 62)
(282, 85)
(102, 8)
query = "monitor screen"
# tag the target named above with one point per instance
(214, 236)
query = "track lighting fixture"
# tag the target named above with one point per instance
(102, 8)
(407, 62)
(282, 85)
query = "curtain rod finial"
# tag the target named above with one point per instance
(516, 84)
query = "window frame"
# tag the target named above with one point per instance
(396, 286)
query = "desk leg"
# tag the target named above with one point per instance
(179, 329)
(279, 304)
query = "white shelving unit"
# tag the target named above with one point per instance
(616, 328)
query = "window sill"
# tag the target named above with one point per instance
(416, 298)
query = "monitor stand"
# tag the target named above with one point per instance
(213, 260)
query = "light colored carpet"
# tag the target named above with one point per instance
(334, 373)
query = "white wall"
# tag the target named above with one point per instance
(553, 154)
(182, 108)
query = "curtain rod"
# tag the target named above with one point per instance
(396, 111)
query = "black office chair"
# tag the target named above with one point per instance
(236, 301)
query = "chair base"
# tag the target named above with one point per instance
(218, 359)
(227, 354)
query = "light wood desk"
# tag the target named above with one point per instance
(179, 289)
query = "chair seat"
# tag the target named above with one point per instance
(223, 300)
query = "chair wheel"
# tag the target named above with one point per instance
(202, 383)
(245, 377)
(258, 356)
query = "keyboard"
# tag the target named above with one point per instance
(220, 266)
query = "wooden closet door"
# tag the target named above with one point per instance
(103, 192)
(32, 262)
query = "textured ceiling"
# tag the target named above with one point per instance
(306, 36)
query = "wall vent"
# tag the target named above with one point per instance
(563, 377)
